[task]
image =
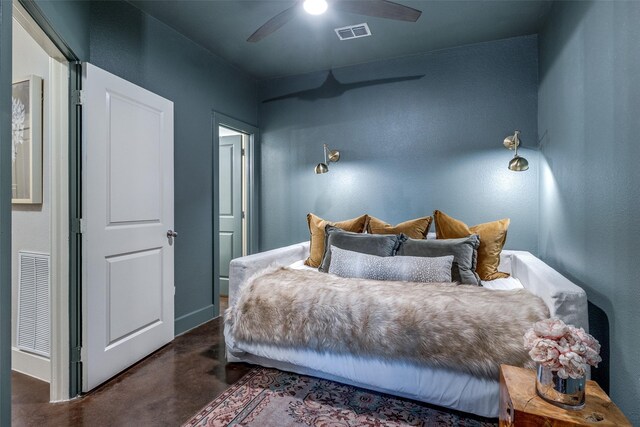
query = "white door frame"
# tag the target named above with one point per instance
(59, 199)
(59, 167)
(251, 163)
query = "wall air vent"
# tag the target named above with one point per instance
(353, 31)
(33, 303)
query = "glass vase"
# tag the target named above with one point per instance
(566, 393)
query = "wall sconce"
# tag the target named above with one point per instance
(331, 155)
(518, 163)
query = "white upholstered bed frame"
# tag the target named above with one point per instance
(447, 388)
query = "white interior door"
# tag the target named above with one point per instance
(128, 287)
(230, 196)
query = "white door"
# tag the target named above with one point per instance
(230, 196)
(127, 199)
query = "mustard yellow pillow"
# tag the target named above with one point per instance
(414, 228)
(316, 229)
(493, 235)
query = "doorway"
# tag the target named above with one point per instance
(40, 211)
(236, 220)
(232, 196)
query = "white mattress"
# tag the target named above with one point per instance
(462, 391)
(505, 284)
(300, 265)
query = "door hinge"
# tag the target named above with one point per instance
(77, 97)
(242, 152)
(76, 355)
(243, 215)
(77, 226)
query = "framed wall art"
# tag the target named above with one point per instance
(26, 141)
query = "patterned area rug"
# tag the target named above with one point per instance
(272, 398)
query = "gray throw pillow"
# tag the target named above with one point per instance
(464, 251)
(372, 244)
(404, 268)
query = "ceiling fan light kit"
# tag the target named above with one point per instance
(315, 7)
(375, 8)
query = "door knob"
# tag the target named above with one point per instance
(171, 233)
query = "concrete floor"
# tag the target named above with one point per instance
(165, 389)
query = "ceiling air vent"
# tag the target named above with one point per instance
(353, 31)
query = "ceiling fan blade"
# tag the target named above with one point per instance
(379, 9)
(273, 24)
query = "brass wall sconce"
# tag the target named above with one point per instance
(518, 163)
(329, 156)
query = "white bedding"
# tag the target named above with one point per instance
(300, 265)
(505, 284)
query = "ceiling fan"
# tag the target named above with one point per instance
(332, 88)
(376, 8)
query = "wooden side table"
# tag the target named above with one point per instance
(521, 406)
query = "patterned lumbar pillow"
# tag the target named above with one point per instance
(380, 245)
(346, 263)
(464, 253)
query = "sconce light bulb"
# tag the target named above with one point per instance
(518, 164)
(321, 168)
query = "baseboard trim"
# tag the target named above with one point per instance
(31, 364)
(191, 320)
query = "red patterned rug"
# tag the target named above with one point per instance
(272, 398)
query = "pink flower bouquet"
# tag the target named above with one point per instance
(562, 348)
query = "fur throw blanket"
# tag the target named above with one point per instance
(459, 327)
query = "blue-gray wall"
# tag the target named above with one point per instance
(138, 48)
(589, 109)
(70, 20)
(408, 147)
(5, 213)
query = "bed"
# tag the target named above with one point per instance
(443, 387)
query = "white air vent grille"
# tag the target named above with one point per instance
(33, 303)
(353, 31)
